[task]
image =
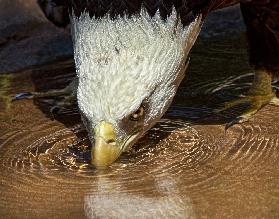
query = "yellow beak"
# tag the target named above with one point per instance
(106, 149)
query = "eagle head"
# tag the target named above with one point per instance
(129, 69)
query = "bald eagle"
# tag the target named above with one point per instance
(131, 56)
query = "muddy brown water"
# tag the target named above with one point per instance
(187, 166)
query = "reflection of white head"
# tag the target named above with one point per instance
(128, 62)
(107, 202)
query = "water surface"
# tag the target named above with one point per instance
(187, 166)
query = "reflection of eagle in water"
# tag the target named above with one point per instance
(131, 56)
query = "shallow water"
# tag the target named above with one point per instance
(187, 166)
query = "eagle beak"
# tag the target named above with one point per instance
(106, 149)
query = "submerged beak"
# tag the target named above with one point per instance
(106, 149)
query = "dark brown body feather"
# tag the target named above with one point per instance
(262, 21)
(99, 8)
(260, 16)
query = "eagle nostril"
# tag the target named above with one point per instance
(110, 141)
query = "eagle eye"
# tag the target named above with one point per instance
(137, 114)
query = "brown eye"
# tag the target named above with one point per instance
(138, 114)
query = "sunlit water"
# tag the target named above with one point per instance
(187, 166)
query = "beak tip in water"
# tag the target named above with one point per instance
(105, 150)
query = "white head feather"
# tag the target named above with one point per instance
(124, 61)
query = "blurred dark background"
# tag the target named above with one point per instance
(27, 38)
